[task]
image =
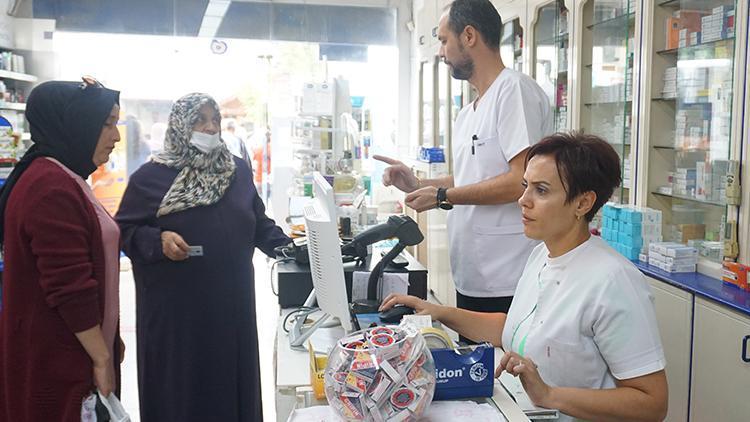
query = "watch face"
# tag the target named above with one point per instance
(446, 206)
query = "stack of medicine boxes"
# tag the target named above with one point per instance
(673, 257)
(630, 230)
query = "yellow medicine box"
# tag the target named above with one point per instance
(317, 373)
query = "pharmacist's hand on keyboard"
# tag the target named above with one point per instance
(421, 307)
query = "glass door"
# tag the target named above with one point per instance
(551, 41)
(610, 105)
(692, 141)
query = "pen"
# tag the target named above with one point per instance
(474, 138)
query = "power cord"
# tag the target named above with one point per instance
(286, 258)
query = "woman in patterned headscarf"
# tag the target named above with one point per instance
(191, 220)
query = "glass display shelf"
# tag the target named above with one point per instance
(615, 22)
(692, 95)
(609, 103)
(668, 52)
(556, 38)
(691, 199)
(551, 54)
(669, 3)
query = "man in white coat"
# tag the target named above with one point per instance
(491, 137)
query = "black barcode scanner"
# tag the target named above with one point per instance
(407, 232)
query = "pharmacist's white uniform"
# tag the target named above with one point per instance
(585, 318)
(488, 247)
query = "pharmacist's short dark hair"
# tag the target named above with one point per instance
(586, 163)
(480, 14)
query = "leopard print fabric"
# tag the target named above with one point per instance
(203, 178)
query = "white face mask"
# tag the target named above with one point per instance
(205, 142)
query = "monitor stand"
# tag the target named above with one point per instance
(299, 333)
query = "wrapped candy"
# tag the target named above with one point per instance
(380, 374)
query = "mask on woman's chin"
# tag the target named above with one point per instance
(205, 142)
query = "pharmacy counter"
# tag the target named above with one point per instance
(293, 384)
(701, 285)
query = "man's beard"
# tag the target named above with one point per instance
(462, 70)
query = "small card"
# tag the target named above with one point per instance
(196, 251)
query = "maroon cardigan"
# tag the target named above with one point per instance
(53, 287)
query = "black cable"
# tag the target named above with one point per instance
(377, 272)
(273, 265)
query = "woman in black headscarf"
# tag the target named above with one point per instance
(59, 322)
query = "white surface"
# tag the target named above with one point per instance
(442, 411)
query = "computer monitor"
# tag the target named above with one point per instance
(324, 191)
(326, 267)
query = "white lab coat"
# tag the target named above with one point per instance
(488, 247)
(585, 318)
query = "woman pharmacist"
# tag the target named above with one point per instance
(581, 332)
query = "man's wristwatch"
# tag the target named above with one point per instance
(442, 199)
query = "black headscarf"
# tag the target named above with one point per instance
(66, 119)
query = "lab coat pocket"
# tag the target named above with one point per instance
(501, 253)
(489, 158)
(560, 361)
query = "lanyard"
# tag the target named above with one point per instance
(522, 345)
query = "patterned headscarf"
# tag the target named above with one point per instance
(203, 178)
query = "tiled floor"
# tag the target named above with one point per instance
(267, 316)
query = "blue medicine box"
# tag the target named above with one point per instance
(631, 241)
(632, 229)
(629, 252)
(432, 154)
(460, 375)
(611, 211)
(631, 215)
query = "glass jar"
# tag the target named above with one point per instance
(381, 373)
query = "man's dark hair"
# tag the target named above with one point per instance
(480, 14)
(586, 163)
